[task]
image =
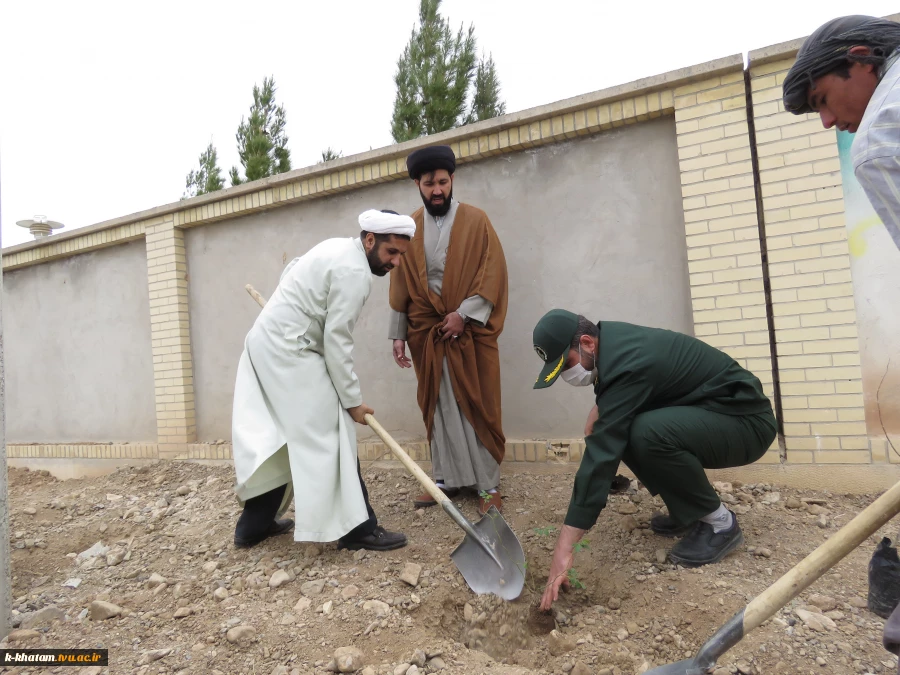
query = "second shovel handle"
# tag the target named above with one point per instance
(822, 559)
(407, 461)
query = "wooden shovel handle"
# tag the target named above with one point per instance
(255, 295)
(764, 605)
(407, 461)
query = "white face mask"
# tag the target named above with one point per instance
(578, 375)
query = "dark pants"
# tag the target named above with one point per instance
(259, 513)
(669, 449)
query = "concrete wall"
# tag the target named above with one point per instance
(77, 338)
(589, 224)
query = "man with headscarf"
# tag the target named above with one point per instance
(297, 396)
(848, 71)
(448, 300)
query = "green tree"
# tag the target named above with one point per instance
(486, 101)
(329, 154)
(207, 178)
(261, 139)
(433, 76)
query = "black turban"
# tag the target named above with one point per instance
(432, 158)
(826, 49)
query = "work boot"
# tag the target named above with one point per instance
(378, 540)
(703, 546)
(665, 526)
(425, 500)
(276, 528)
(488, 499)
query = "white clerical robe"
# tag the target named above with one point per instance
(294, 383)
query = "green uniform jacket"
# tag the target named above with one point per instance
(642, 369)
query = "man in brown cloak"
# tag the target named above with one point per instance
(448, 300)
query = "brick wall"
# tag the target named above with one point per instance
(809, 266)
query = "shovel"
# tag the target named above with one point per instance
(490, 558)
(788, 587)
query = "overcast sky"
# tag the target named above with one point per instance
(105, 106)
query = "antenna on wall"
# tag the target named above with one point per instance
(39, 226)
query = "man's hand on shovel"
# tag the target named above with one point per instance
(561, 564)
(359, 413)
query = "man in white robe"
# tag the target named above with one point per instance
(297, 395)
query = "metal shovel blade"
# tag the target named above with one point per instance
(494, 562)
(686, 667)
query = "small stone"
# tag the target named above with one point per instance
(23, 635)
(220, 593)
(183, 491)
(44, 615)
(240, 635)
(380, 608)
(637, 556)
(763, 553)
(559, 644)
(72, 583)
(210, 567)
(437, 663)
(401, 669)
(350, 591)
(580, 669)
(468, 612)
(115, 557)
(859, 603)
(822, 521)
(823, 602)
(627, 508)
(815, 509)
(302, 605)
(153, 655)
(420, 513)
(287, 620)
(614, 603)
(771, 497)
(413, 670)
(821, 661)
(629, 523)
(359, 555)
(661, 556)
(418, 658)
(182, 612)
(632, 628)
(349, 659)
(29, 511)
(280, 578)
(410, 574)
(815, 621)
(100, 610)
(311, 588)
(745, 668)
(793, 503)
(281, 670)
(155, 580)
(328, 607)
(622, 634)
(368, 670)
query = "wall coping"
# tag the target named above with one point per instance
(787, 50)
(655, 83)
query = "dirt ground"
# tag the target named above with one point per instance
(184, 600)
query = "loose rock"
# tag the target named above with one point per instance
(823, 602)
(154, 655)
(280, 578)
(410, 574)
(100, 610)
(45, 615)
(559, 644)
(349, 592)
(349, 659)
(312, 588)
(418, 658)
(380, 608)
(240, 635)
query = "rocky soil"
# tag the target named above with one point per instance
(141, 562)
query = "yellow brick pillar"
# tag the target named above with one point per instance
(721, 225)
(809, 267)
(171, 341)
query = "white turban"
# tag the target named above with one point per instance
(376, 222)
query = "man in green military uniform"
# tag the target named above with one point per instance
(669, 406)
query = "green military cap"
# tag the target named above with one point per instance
(552, 340)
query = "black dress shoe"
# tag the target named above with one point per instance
(703, 546)
(276, 528)
(379, 540)
(665, 526)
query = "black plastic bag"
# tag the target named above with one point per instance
(884, 579)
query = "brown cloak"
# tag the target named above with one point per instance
(475, 266)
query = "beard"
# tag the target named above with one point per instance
(440, 209)
(379, 269)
